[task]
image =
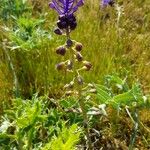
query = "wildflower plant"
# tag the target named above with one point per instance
(75, 63)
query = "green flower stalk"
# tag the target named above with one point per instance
(75, 64)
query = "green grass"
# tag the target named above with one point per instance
(27, 66)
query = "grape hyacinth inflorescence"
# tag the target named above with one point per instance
(65, 9)
(74, 62)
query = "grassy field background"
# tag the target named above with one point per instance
(115, 41)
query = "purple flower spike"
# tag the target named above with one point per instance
(66, 7)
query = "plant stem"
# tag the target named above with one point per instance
(85, 118)
(85, 122)
(81, 102)
(15, 80)
(67, 34)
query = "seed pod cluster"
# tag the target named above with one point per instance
(74, 50)
(61, 50)
(78, 56)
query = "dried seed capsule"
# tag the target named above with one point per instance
(70, 85)
(60, 66)
(93, 91)
(79, 57)
(68, 93)
(69, 65)
(79, 80)
(66, 86)
(78, 46)
(88, 97)
(58, 31)
(87, 65)
(90, 85)
(61, 50)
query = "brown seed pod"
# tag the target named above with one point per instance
(79, 57)
(69, 86)
(87, 65)
(61, 50)
(91, 85)
(57, 31)
(79, 80)
(69, 93)
(93, 91)
(60, 66)
(69, 65)
(78, 46)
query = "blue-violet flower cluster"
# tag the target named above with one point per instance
(66, 9)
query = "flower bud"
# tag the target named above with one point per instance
(62, 24)
(79, 80)
(60, 66)
(58, 31)
(61, 50)
(79, 57)
(73, 25)
(78, 46)
(87, 65)
(69, 43)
